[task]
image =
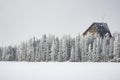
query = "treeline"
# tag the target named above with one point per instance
(78, 49)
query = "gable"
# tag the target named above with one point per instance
(98, 28)
(92, 30)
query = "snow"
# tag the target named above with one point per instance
(59, 71)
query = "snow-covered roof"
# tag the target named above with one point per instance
(101, 28)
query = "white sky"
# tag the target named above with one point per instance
(23, 19)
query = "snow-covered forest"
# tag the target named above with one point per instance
(78, 49)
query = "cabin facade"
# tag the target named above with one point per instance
(98, 29)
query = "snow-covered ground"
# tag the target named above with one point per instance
(59, 71)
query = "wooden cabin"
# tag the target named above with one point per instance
(98, 29)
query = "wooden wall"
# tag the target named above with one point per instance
(92, 30)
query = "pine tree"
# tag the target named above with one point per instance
(72, 57)
(77, 49)
(82, 45)
(117, 48)
(43, 48)
(48, 57)
(29, 50)
(98, 48)
(95, 52)
(38, 56)
(69, 44)
(34, 45)
(64, 48)
(23, 51)
(60, 53)
(90, 53)
(1, 54)
(14, 54)
(111, 49)
(105, 48)
(18, 54)
(54, 49)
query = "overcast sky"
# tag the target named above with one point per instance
(23, 19)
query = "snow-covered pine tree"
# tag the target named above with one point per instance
(43, 48)
(9, 53)
(29, 50)
(69, 45)
(95, 51)
(89, 53)
(49, 42)
(108, 46)
(57, 47)
(64, 48)
(23, 51)
(111, 49)
(48, 57)
(103, 54)
(77, 49)
(34, 45)
(98, 48)
(72, 56)
(86, 40)
(82, 45)
(14, 54)
(60, 53)
(54, 50)
(18, 54)
(1, 53)
(4, 53)
(116, 52)
(105, 48)
(38, 55)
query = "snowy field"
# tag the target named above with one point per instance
(59, 71)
